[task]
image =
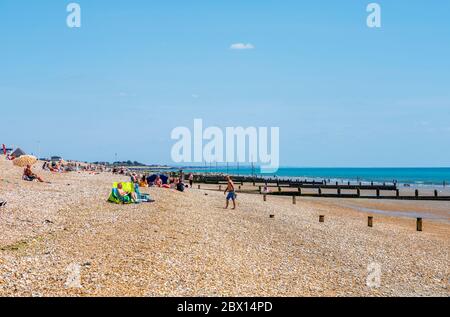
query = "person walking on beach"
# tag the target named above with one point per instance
(191, 180)
(231, 193)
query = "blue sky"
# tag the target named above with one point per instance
(342, 94)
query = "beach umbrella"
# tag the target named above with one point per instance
(25, 160)
(18, 152)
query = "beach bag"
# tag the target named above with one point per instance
(180, 187)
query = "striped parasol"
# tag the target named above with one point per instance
(25, 160)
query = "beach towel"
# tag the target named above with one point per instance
(140, 196)
(114, 197)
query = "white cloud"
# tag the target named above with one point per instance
(242, 46)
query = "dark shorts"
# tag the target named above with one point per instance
(29, 178)
(231, 196)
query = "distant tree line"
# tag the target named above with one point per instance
(123, 163)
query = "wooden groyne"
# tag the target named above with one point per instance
(216, 179)
(377, 195)
(324, 189)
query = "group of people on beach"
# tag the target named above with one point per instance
(55, 167)
(61, 167)
(120, 170)
(139, 181)
(171, 182)
(178, 184)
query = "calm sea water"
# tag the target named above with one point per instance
(414, 176)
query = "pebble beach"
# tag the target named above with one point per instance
(65, 239)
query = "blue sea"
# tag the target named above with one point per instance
(411, 176)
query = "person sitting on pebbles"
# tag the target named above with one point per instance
(125, 195)
(28, 175)
(143, 182)
(158, 181)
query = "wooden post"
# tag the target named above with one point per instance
(294, 200)
(417, 193)
(348, 183)
(339, 192)
(378, 193)
(265, 197)
(279, 189)
(320, 191)
(370, 222)
(436, 194)
(300, 191)
(260, 189)
(321, 219)
(358, 192)
(419, 224)
(220, 188)
(397, 193)
(198, 186)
